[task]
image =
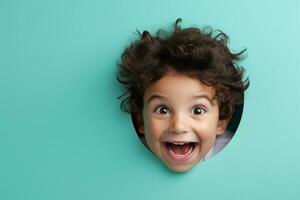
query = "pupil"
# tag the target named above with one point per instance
(163, 110)
(198, 110)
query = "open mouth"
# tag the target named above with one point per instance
(180, 151)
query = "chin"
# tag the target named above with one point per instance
(180, 168)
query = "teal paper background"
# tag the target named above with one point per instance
(62, 135)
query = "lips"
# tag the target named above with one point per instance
(180, 151)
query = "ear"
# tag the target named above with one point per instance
(222, 125)
(140, 124)
(141, 129)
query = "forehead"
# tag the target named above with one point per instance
(176, 85)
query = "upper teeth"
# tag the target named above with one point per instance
(181, 143)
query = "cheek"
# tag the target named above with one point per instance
(152, 126)
(153, 132)
(155, 127)
(206, 131)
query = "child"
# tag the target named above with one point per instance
(182, 90)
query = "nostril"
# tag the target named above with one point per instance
(178, 131)
(179, 128)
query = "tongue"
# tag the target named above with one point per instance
(180, 149)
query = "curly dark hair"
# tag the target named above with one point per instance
(201, 54)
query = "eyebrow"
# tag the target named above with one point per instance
(203, 97)
(156, 96)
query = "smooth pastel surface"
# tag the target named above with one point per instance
(62, 135)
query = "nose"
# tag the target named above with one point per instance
(178, 124)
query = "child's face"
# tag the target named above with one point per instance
(181, 120)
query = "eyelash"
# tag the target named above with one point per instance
(199, 106)
(158, 107)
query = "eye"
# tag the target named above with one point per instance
(198, 110)
(162, 110)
